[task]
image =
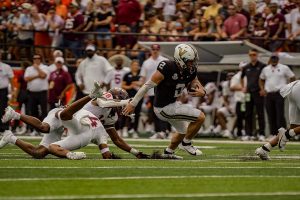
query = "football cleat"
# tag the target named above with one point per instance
(76, 155)
(96, 91)
(9, 114)
(188, 147)
(282, 139)
(263, 154)
(6, 138)
(166, 155)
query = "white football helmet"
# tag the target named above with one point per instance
(186, 56)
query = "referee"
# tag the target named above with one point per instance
(272, 78)
(6, 77)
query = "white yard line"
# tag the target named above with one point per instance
(167, 140)
(154, 196)
(147, 167)
(142, 177)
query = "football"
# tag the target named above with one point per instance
(191, 87)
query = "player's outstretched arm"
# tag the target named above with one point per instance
(119, 142)
(156, 78)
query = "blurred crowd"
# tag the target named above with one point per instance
(88, 29)
(71, 24)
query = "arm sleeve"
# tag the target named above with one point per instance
(142, 91)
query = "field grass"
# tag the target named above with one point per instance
(226, 171)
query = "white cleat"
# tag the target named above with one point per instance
(190, 149)
(263, 154)
(6, 138)
(9, 114)
(282, 139)
(96, 91)
(76, 155)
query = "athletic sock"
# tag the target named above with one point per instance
(267, 147)
(186, 141)
(168, 150)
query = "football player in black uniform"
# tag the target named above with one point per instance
(169, 80)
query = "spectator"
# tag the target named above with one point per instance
(272, 78)
(128, 12)
(41, 36)
(6, 78)
(25, 36)
(60, 82)
(52, 67)
(148, 68)
(253, 16)
(218, 25)
(203, 32)
(275, 28)
(240, 9)
(167, 8)
(73, 23)
(13, 31)
(92, 68)
(235, 25)
(56, 24)
(124, 42)
(239, 96)
(223, 11)
(103, 18)
(293, 21)
(61, 9)
(154, 23)
(89, 18)
(146, 30)
(259, 32)
(43, 6)
(36, 77)
(262, 5)
(212, 10)
(253, 95)
(131, 83)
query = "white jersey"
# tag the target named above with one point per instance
(227, 92)
(81, 121)
(115, 77)
(106, 115)
(56, 128)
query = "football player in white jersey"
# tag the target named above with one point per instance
(50, 125)
(108, 111)
(292, 92)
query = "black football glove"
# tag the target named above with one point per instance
(142, 155)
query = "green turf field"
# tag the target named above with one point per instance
(226, 171)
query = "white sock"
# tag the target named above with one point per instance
(134, 151)
(169, 150)
(268, 146)
(292, 132)
(186, 140)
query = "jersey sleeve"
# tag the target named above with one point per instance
(162, 68)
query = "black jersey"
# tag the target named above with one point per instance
(175, 80)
